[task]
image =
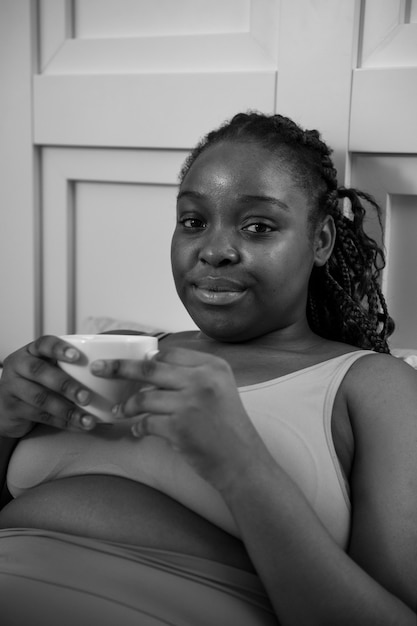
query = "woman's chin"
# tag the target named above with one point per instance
(226, 332)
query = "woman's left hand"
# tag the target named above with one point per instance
(190, 399)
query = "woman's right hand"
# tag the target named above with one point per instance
(34, 389)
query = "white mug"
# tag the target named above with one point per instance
(107, 392)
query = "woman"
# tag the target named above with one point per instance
(272, 450)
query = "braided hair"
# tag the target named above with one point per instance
(345, 301)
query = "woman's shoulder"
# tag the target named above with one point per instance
(374, 382)
(371, 366)
(382, 387)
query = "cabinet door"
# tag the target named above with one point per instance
(383, 145)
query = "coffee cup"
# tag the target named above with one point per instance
(107, 392)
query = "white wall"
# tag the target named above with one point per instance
(17, 194)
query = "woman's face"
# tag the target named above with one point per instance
(241, 251)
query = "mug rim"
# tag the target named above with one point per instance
(83, 337)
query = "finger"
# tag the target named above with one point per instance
(54, 414)
(157, 425)
(53, 347)
(119, 368)
(47, 376)
(150, 401)
(47, 400)
(149, 371)
(191, 362)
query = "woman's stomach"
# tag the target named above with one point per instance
(114, 508)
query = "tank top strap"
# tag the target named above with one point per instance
(341, 368)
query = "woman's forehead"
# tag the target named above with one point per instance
(240, 151)
(241, 165)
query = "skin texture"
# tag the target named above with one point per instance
(242, 256)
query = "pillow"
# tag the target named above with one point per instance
(409, 356)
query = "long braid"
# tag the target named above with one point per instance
(357, 313)
(345, 301)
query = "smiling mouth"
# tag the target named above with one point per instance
(217, 295)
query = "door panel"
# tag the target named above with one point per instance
(383, 142)
(112, 111)
(155, 80)
(108, 220)
(317, 41)
(132, 18)
(383, 113)
(392, 180)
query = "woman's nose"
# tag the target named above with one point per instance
(219, 250)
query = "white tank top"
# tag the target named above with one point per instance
(292, 414)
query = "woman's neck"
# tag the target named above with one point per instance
(263, 358)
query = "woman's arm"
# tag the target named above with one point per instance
(309, 579)
(192, 402)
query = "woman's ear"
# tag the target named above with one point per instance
(324, 241)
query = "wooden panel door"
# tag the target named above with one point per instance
(383, 145)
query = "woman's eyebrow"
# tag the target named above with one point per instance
(190, 194)
(247, 198)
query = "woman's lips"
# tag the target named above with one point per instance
(218, 291)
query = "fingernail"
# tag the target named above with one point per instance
(118, 410)
(71, 354)
(97, 366)
(87, 422)
(83, 396)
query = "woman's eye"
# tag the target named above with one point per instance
(258, 228)
(192, 222)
